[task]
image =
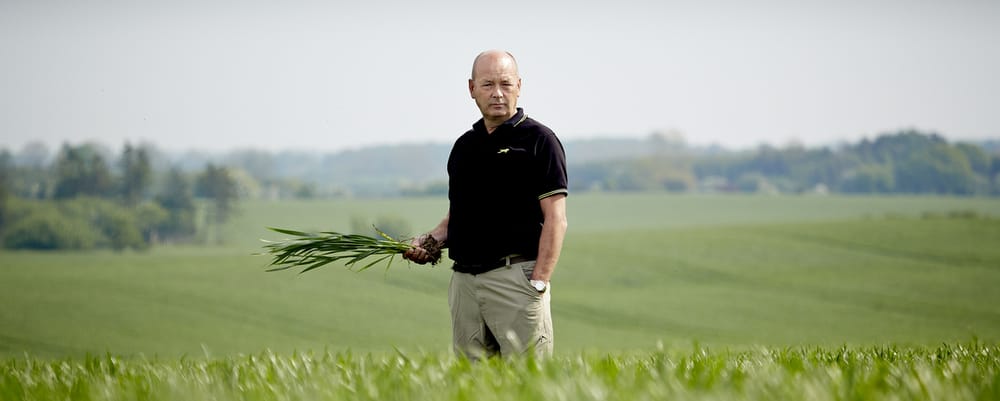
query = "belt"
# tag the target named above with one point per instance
(485, 267)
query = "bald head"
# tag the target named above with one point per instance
(494, 59)
(495, 85)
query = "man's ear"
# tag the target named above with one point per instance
(472, 86)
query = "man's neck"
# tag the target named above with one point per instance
(493, 123)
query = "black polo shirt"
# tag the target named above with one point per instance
(496, 181)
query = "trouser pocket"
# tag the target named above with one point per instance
(528, 269)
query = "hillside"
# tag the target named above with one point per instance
(732, 271)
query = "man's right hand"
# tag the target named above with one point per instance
(420, 252)
(427, 247)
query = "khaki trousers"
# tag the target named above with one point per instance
(499, 312)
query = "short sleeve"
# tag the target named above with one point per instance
(551, 164)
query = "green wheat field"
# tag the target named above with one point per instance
(656, 297)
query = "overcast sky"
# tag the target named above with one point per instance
(329, 75)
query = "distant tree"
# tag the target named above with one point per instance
(995, 175)
(69, 172)
(979, 160)
(6, 172)
(215, 183)
(136, 174)
(46, 229)
(822, 166)
(890, 148)
(150, 217)
(79, 223)
(940, 169)
(770, 162)
(28, 174)
(870, 178)
(30, 182)
(81, 170)
(177, 199)
(177, 193)
(121, 226)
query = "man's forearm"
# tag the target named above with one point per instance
(551, 241)
(440, 232)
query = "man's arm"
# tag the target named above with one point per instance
(440, 233)
(553, 232)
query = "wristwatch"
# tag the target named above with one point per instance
(539, 285)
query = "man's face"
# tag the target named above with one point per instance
(496, 87)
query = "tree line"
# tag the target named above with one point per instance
(908, 161)
(89, 197)
(82, 200)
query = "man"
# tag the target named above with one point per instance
(506, 220)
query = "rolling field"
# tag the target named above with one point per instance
(637, 271)
(656, 297)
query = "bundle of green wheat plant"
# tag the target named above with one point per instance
(313, 250)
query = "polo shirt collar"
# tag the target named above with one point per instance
(518, 118)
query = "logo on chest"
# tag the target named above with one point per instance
(507, 150)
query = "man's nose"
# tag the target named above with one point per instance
(497, 93)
